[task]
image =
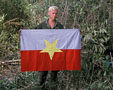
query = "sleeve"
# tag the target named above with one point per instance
(39, 26)
(62, 27)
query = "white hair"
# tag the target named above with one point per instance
(53, 8)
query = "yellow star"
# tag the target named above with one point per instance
(51, 48)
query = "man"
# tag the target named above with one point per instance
(51, 23)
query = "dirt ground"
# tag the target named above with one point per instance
(9, 72)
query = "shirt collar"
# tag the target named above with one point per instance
(47, 22)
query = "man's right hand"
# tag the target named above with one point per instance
(19, 32)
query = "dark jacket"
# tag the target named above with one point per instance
(45, 25)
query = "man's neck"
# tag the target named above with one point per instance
(52, 23)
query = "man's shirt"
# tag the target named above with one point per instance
(46, 25)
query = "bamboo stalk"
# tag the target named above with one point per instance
(9, 62)
(11, 20)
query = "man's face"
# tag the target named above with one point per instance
(53, 14)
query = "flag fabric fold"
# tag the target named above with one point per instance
(50, 50)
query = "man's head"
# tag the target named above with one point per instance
(53, 12)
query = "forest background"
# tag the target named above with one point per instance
(95, 20)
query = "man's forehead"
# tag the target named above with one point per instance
(53, 10)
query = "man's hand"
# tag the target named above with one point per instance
(19, 32)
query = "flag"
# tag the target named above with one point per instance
(50, 50)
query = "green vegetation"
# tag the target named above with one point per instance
(95, 20)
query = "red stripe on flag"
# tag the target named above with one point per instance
(33, 60)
